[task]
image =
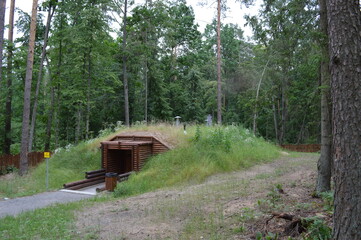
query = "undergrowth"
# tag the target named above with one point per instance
(209, 150)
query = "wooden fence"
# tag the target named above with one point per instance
(302, 147)
(34, 158)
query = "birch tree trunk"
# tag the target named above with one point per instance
(27, 92)
(255, 111)
(50, 121)
(344, 18)
(50, 114)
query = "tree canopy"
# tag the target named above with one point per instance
(170, 68)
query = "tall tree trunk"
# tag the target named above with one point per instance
(88, 96)
(27, 92)
(275, 121)
(125, 76)
(255, 111)
(40, 76)
(58, 75)
(324, 164)
(50, 114)
(283, 111)
(50, 120)
(8, 105)
(344, 18)
(146, 91)
(149, 4)
(2, 28)
(219, 79)
(301, 134)
(78, 124)
(56, 116)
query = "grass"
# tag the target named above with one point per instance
(209, 151)
(53, 222)
(46, 223)
(204, 151)
(70, 163)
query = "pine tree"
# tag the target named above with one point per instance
(344, 18)
(27, 92)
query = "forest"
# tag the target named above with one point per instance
(79, 69)
(159, 65)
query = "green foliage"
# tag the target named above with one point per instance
(273, 200)
(285, 31)
(328, 198)
(197, 136)
(171, 70)
(8, 169)
(219, 149)
(239, 230)
(268, 236)
(316, 229)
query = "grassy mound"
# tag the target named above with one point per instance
(202, 152)
(70, 163)
(207, 151)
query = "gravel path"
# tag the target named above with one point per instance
(13, 207)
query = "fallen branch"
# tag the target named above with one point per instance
(295, 227)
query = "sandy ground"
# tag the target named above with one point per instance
(227, 206)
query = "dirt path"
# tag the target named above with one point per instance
(13, 207)
(226, 206)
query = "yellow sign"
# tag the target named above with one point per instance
(46, 154)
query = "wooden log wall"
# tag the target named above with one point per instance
(158, 147)
(302, 147)
(145, 152)
(139, 149)
(34, 159)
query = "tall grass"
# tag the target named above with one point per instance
(69, 164)
(202, 152)
(210, 150)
